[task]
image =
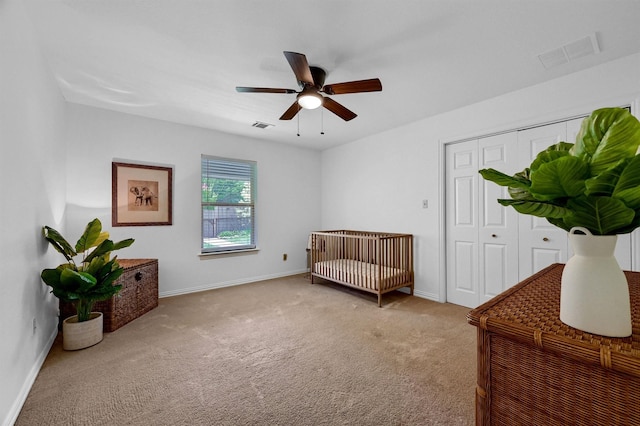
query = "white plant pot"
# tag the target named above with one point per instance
(594, 295)
(79, 335)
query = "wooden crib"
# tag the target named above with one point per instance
(375, 262)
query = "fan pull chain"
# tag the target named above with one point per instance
(298, 120)
(322, 121)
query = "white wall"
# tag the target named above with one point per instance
(32, 193)
(378, 183)
(288, 201)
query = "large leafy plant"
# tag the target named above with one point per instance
(594, 183)
(91, 279)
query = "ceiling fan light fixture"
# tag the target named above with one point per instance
(309, 99)
(311, 82)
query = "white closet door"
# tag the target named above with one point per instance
(462, 222)
(482, 235)
(498, 226)
(490, 247)
(540, 243)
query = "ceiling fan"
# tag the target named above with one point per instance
(311, 82)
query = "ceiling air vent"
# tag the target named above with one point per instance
(571, 51)
(261, 125)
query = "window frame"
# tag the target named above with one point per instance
(233, 168)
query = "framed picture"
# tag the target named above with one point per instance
(141, 195)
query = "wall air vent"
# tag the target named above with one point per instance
(261, 125)
(571, 51)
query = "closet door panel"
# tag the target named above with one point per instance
(540, 243)
(498, 226)
(462, 222)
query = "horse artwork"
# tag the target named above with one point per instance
(143, 195)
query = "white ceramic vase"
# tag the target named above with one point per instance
(79, 335)
(594, 294)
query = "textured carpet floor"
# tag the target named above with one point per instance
(277, 352)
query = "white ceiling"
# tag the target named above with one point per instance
(180, 60)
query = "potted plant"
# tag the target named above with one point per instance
(590, 188)
(84, 283)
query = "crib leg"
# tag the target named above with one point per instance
(379, 300)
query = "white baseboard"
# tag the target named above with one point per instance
(426, 295)
(13, 413)
(422, 294)
(230, 283)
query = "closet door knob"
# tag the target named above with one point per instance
(545, 239)
(494, 236)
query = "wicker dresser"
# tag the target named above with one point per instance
(139, 295)
(535, 370)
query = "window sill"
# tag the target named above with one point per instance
(228, 253)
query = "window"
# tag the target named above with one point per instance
(228, 204)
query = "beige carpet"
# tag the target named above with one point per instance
(277, 352)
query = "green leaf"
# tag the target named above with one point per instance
(104, 235)
(123, 244)
(106, 247)
(601, 215)
(108, 278)
(560, 146)
(561, 149)
(563, 177)
(607, 136)
(635, 223)
(89, 237)
(516, 181)
(605, 183)
(521, 193)
(627, 189)
(80, 281)
(536, 208)
(559, 222)
(51, 277)
(67, 283)
(58, 242)
(94, 265)
(108, 273)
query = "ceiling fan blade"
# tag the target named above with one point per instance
(291, 112)
(263, 90)
(338, 109)
(371, 85)
(300, 67)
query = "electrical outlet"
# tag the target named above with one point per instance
(425, 204)
(284, 256)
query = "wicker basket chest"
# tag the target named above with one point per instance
(139, 295)
(535, 370)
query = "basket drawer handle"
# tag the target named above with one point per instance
(138, 276)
